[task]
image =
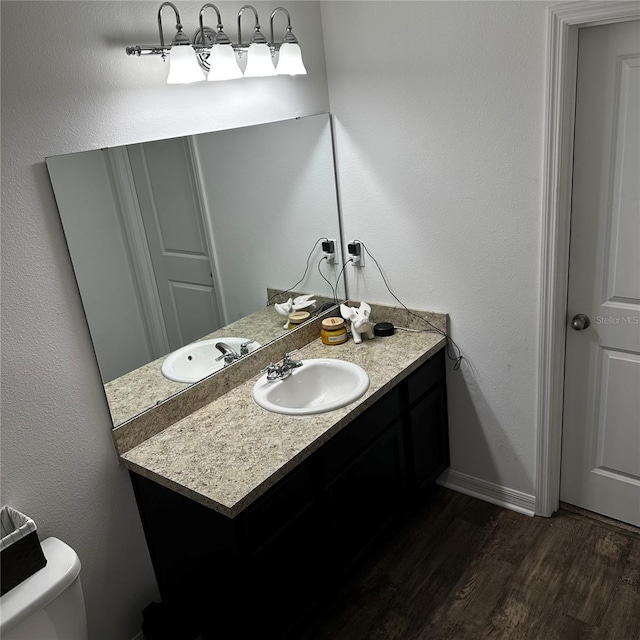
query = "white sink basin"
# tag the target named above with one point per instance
(198, 360)
(317, 386)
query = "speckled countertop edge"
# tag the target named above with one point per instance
(228, 453)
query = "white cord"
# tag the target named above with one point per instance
(413, 330)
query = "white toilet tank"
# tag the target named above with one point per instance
(49, 605)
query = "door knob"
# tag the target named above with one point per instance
(580, 322)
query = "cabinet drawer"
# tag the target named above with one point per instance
(355, 437)
(279, 505)
(426, 377)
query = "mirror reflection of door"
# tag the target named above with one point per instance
(102, 260)
(135, 229)
(169, 198)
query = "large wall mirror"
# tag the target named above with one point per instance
(175, 242)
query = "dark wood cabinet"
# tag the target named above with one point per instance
(266, 568)
(424, 405)
(429, 441)
(365, 497)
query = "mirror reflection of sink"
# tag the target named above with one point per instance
(200, 359)
(317, 386)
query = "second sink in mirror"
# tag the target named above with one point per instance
(200, 359)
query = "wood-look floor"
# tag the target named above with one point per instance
(459, 568)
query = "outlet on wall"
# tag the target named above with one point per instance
(356, 253)
(329, 249)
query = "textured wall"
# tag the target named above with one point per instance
(58, 461)
(439, 110)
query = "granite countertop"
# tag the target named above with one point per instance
(231, 451)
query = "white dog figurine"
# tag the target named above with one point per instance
(359, 318)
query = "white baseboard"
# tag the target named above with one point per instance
(489, 492)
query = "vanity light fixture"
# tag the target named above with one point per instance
(290, 55)
(221, 61)
(259, 61)
(183, 64)
(213, 52)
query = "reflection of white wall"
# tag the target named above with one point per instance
(58, 460)
(270, 193)
(97, 247)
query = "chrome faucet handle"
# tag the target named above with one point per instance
(287, 361)
(272, 371)
(243, 347)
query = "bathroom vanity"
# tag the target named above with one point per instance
(249, 515)
(253, 517)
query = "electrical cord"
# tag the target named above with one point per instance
(304, 275)
(333, 291)
(340, 274)
(344, 279)
(450, 342)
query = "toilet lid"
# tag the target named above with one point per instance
(37, 591)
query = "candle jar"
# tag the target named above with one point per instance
(333, 331)
(297, 318)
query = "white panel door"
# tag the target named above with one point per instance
(601, 427)
(173, 221)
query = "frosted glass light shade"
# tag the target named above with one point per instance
(183, 66)
(259, 62)
(223, 64)
(290, 61)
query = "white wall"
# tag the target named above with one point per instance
(439, 109)
(58, 461)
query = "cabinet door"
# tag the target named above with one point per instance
(283, 581)
(281, 504)
(365, 497)
(346, 446)
(429, 438)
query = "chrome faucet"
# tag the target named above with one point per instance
(228, 353)
(283, 371)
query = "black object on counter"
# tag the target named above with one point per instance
(383, 329)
